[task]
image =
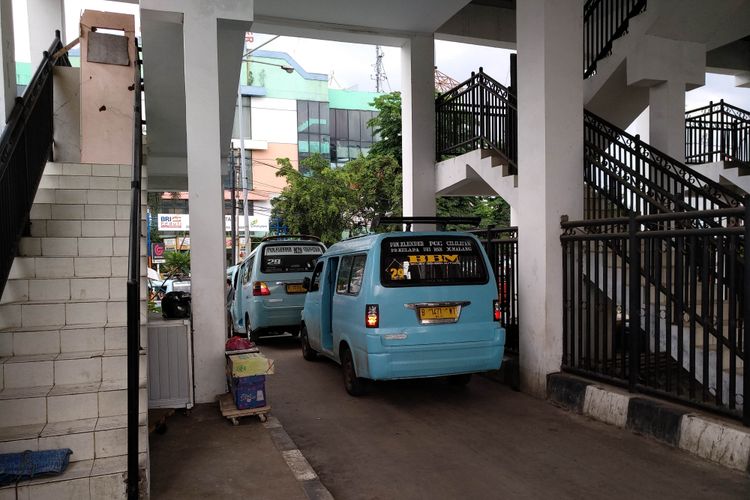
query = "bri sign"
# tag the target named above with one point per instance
(174, 222)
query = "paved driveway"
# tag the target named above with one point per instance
(428, 439)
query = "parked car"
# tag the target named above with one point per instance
(268, 289)
(404, 305)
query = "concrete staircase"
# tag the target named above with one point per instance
(481, 172)
(731, 174)
(63, 335)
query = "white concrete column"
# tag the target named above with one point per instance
(8, 58)
(418, 125)
(45, 16)
(550, 162)
(666, 118)
(206, 210)
(206, 201)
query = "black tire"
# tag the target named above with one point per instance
(462, 379)
(307, 352)
(353, 384)
(251, 335)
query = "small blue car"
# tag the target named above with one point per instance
(404, 305)
(268, 286)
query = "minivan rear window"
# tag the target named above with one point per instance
(431, 260)
(290, 257)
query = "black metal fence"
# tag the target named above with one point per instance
(25, 147)
(603, 22)
(133, 283)
(480, 113)
(717, 132)
(656, 303)
(631, 175)
(502, 249)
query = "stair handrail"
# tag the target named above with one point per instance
(478, 113)
(717, 132)
(603, 22)
(23, 155)
(133, 284)
(691, 182)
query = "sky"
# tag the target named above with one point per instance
(351, 66)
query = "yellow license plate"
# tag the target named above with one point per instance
(295, 289)
(445, 312)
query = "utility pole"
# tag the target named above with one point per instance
(243, 173)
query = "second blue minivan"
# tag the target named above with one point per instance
(404, 305)
(268, 285)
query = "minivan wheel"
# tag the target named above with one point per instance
(249, 333)
(307, 352)
(354, 385)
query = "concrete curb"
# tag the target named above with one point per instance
(710, 438)
(298, 464)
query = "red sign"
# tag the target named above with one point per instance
(158, 249)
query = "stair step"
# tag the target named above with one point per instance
(63, 339)
(88, 169)
(72, 267)
(66, 373)
(41, 228)
(100, 246)
(56, 289)
(71, 312)
(84, 439)
(87, 190)
(86, 479)
(81, 211)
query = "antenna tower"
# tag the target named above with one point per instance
(380, 77)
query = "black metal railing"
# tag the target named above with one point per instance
(134, 282)
(25, 147)
(604, 21)
(633, 295)
(717, 132)
(631, 175)
(502, 249)
(479, 113)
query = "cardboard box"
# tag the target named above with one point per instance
(249, 392)
(243, 365)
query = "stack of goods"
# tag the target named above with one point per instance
(246, 374)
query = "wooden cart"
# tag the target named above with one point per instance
(230, 411)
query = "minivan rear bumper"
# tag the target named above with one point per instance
(434, 360)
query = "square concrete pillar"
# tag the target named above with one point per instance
(666, 118)
(45, 16)
(418, 120)
(550, 172)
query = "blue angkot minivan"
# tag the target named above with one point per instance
(268, 285)
(404, 305)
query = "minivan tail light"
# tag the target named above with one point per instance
(372, 316)
(496, 314)
(260, 288)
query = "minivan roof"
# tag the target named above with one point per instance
(362, 243)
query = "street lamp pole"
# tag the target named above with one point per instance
(243, 173)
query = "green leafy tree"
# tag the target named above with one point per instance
(387, 126)
(318, 203)
(375, 181)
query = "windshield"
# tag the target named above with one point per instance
(290, 257)
(431, 260)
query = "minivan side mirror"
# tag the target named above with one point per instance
(306, 283)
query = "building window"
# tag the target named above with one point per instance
(350, 134)
(312, 129)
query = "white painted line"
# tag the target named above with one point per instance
(299, 465)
